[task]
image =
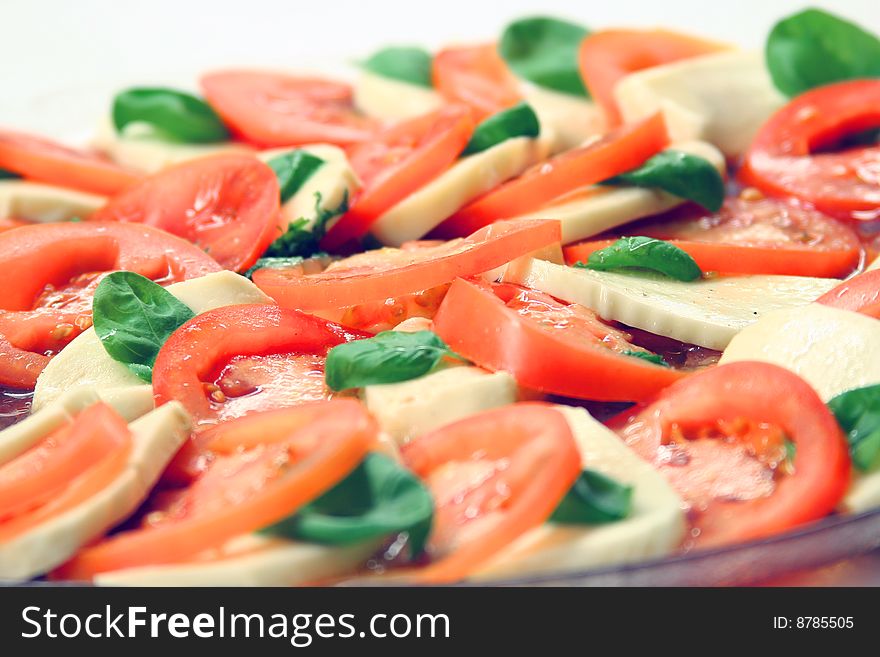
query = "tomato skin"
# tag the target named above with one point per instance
(782, 160)
(615, 153)
(860, 294)
(227, 204)
(758, 392)
(397, 162)
(46, 161)
(541, 461)
(475, 322)
(484, 250)
(607, 56)
(477, 77)
(275, 109)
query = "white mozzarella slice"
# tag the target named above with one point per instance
(156, 437)
(863, 493)
(706, 312)
(465, 180)
(22, 199)
(655, 526)
(392, 100)
(84, 362)
(722, 98)
(571, 120)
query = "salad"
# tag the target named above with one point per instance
(564, 299)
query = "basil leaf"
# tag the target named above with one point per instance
(790, 450)
(378, 498)
(657, 359)
(858, 414)
(517, 121)
(293, 169)
(407, 64)
(684, 175)
(544, 50)
(8, 175)
(814, 48)
(644, 253)
(594, 499)
(303, 237)
(175, 114)
(388, 357)
(133, 316)
(273, 263)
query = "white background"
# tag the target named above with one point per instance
(61, 59)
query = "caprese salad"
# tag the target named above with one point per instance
(564, 299)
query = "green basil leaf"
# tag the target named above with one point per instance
(644, 253)
(517, 121)
(174, 114)
(684, 175)
(292, 170)
(858, 414)
(657, 359)
(133, 316)
(8, 175)
(387, 357)
(594, 499)
(378, 498)
(814, 48)
(303, 236)
(544, 50)
(790, 450)
(273, 263)
(407, 64)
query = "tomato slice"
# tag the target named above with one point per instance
(782, 160)
(618, 151)
(606, 57)
(243, 491)
(73, 465)
(389, 273)
(546, 344)
(227, 204)
(477, 77)
(718, 436)
(493, 476)
(396, 163)
(50, 272)
(50, 162)
(860, 294)
(275, 109)
(8, 223)
(765, 236)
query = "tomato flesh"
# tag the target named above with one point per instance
(477, 77)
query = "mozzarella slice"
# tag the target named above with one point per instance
(706, 312)
(392, 100)
(655, 526)
(142, 150)
(465, 180)
(592, 210)
(723, 98)
(863, 493)
(22, 199)
(251, 561)
(156, 437)
(334, 181)
(408, 409)
(84, 362)
(570, 119)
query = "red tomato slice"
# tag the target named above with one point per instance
(9, 223)
(49, 162)
(718, 437)
(396, 163)
(606, 57)
(50, 272)
(782, 160)
(765, 236)
(617, 152)
(477, 77)
(860, 294)
(276, 109)
(390, 273)
(494, 476)
(243, 491)
(227, 204)
(545, 344)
